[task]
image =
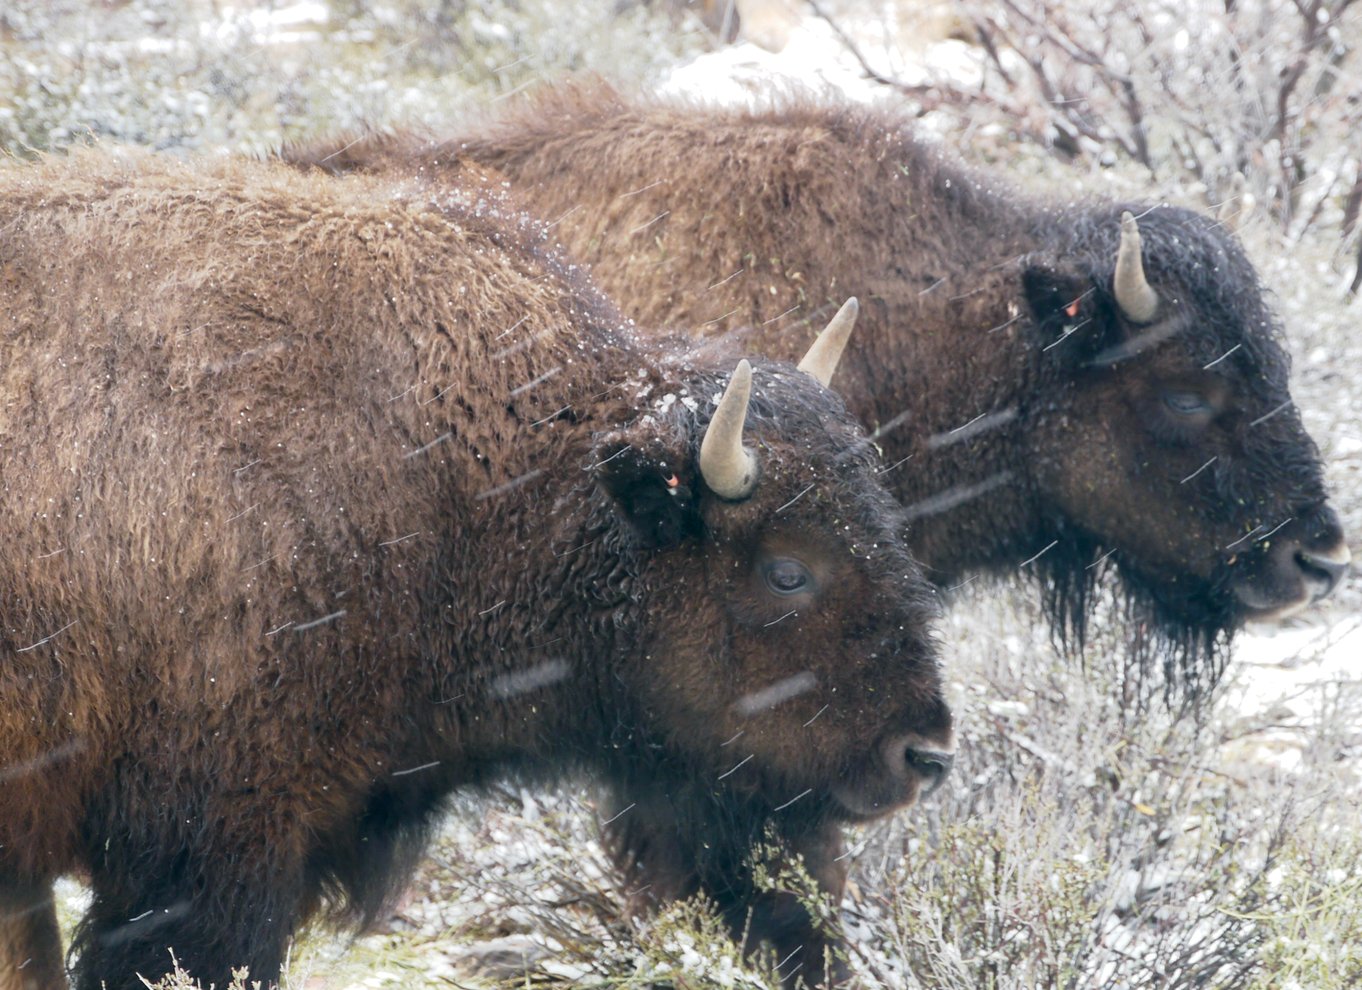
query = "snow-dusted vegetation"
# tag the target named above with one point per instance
(1094, 833)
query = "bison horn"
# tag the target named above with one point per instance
(1134, 295)
(821, 361)
(729, 468)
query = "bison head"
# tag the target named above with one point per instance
(1169, 439)
(786, 660)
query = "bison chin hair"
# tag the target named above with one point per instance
(1174, 642)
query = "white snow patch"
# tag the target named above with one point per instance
(814, 59)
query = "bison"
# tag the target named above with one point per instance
(1057, 389)
(324, 498)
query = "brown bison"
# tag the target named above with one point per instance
(1053, 388)
(322, 498)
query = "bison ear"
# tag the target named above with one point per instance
(1065, 312)
(651, 489)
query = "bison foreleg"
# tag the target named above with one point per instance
(794, 909)
(30, 944)
(209, 905)
(666, 850)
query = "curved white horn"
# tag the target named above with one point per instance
(729, 468)
(821, 360)
(1134, 295)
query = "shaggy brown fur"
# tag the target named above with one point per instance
(323, 498)
(1022, 428)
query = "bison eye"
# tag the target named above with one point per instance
(786, 576)
(1187, 403)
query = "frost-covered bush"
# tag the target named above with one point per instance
(198, 74)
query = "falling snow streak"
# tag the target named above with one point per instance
(438, 395)
(528, 342)
(797, 497)
(619, 453)
(815, 717)
(522, 681)
(715, 285)
(553, 415)
(805, 793)
(781, 315)
(1258, 533)
(1199, 470)
(511, 65)
(729, 773)
(510, 328)
(250, 508)
(898, 420)
(1274, 529)
(533, 382)
(901, 461)
(1222, 357)
(1100, 559)
(561, 217)
(1069, 331)
(782, 690)
(317, 622)
(518, 89)
(635, 192)
(511, 485)
(140, 925)
(1136, 345)
(957, 495)
(46, 639)
(1033, 558)
(421, 450)
(56, 754)
(979, 424)
(1268, 415)
(649, 223)
(580, 546)
(423, 766)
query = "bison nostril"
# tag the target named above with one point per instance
(931, 764)
(1329, 566)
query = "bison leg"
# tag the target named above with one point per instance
(233, 906)
(30, 943)
(808, 949)
(666, 852)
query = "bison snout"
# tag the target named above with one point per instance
(1326, 569)
(1304, 562)
(914, 758)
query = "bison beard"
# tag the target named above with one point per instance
(1013, 357)
(323, 498)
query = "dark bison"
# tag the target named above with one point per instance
(1052, 386)
(322, 498)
